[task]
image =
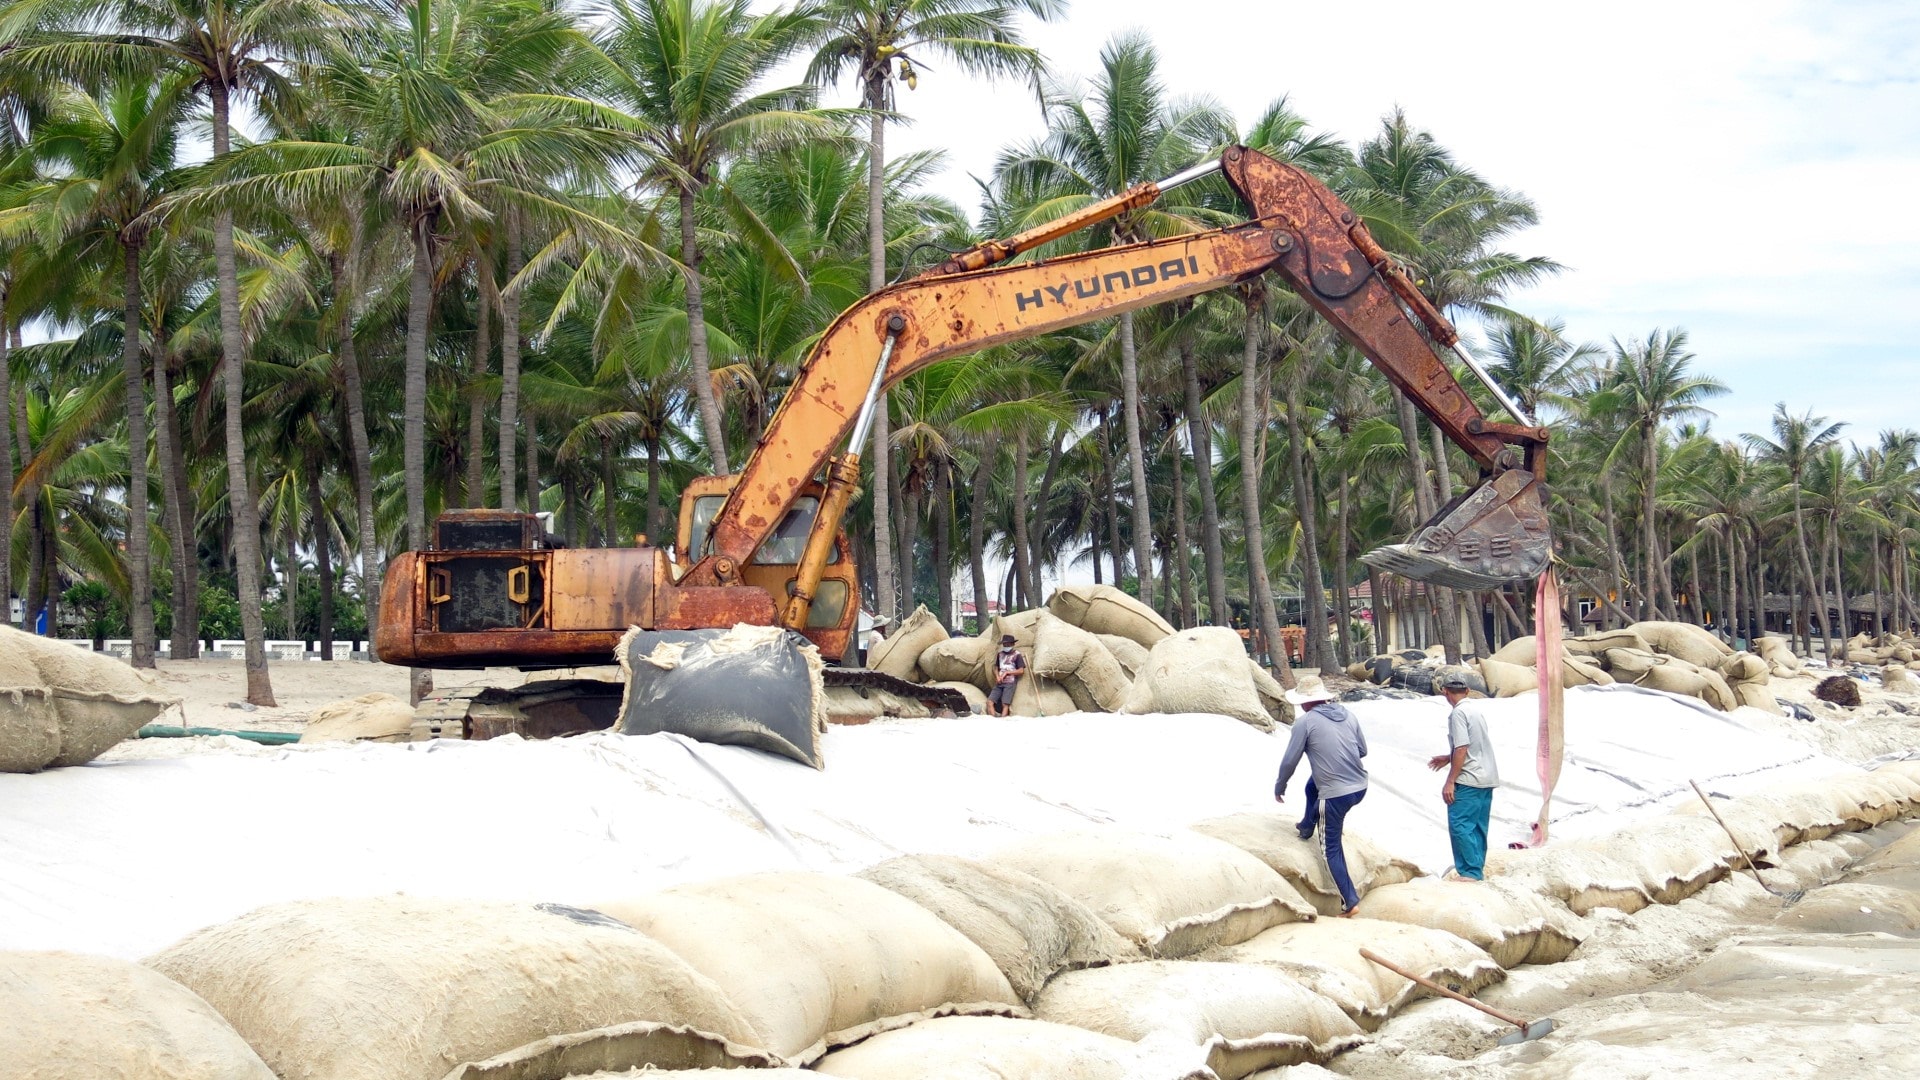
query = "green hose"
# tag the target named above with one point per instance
(167, 731)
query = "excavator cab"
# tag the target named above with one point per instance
(775, 567)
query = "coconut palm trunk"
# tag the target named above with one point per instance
(701, 375)
(6, 469)
(1200, 440)
(173, 488)
(977, 528)
(476, 400)
(882, 452)
(942, 537)
(358, 446)
(1816, 606)
(1312, 583)
(1136, 459)
(1181, 588)
(139, 530)
(510, 372)
(1024, 572)
(1251, 373)
(240, 497)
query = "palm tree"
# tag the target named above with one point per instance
(1100, 142)
(236, 49)
(878, 42)
(107, 157)
(685, 75)
(1796, 440)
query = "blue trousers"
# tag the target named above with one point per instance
(1467, 818)
(1336, 852)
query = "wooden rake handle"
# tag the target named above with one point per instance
(1441, 990)
(1737, 845)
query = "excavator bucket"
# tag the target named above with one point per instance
(1488, 537)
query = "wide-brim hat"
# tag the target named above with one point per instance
(1308, 690)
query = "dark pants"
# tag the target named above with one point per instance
(1336, 853)
(1467, 818)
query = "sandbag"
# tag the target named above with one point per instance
(1030, 929)
(404, 988)
(1021, 624)
(1273, 696)
(1582, 671)
(1325, 956)
(1034, 695)
(898, 654)
(1776, 651)
(97, 701)
(1271, 838)
(976, 697)
(1896, 679)
(1247, 1016)
(1743, 667)
(1083, 667)
(1758, 695)
(1508, 680)
(1585, 875)
(642, 1043)
(369, 718)
(755, 686)
(1507, 923)
(68, 1016)
(1131, 654)
(816, 961)
(1172, 896)
(1863, 656)
(1524, 651)
(1200, 670)
(1695, 644)
(998, 1048)
(1673, 675)
(959, 659)
(1103, 609)
(1598, 644)
(29, 722)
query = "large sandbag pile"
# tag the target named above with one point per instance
(1076, 660)
(1172, 896)
(816, 961)
(1205, 669)
(410, 989)
(1272, 839)
(1030, 929)
(1678, 658)
(1325, 956)
(65, 1016)
(1244, 1017)
(367, 718)
(63, 705)
(998, 1048)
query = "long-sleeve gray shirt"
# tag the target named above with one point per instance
(1330, 738)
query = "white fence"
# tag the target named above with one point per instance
(236, 650)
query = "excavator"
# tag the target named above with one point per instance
(764, 547)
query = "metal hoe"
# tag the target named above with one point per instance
(1527, 1031)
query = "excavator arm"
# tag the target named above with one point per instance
(1299, 230)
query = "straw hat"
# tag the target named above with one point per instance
(1308, 690)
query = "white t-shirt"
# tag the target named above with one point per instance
(1467, 726)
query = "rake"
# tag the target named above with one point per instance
(1526, 1031)
(1791, 896)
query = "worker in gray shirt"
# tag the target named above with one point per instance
(1471, 778)
(1329, 737)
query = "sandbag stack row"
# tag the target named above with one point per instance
(1093, 648)
(1679, 658)
(1076, 956)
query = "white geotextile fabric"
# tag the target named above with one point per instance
(124, 857)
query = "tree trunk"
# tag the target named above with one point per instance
(322, 559)
(942, 537)
(885, 587)
(701, 375)
(609, 495)
(244, 512)
(1024, 572)
(1312, 583)
(654, 535)
(1343, 603)
(1037, 527)
(139, 527)
(510, 369)
(6, 469)
(341, 270)
(476, 401)
(1110, 508)
(1200, 441)
(1619, 574)
(292, 604)
(1136, 459)
(1264, 620)
(1806, 571)
(1178, 559)
(977, 529)
(1840, 582)
(1446, 600)
(413, 446)
(174, 488)
(533, 462)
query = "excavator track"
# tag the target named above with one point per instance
(937, 699)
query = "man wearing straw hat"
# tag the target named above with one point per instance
(1329, 736)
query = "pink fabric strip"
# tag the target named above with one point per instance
(1549, 748)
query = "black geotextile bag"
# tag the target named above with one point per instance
(749, 686)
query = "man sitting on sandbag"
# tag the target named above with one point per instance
(1471, 778)
(1008, 665)
(1330, 737)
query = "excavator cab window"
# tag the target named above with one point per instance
(829, 603)
(783, 547)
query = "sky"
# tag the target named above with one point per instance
(1738, 170)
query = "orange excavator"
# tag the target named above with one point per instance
(765, 547)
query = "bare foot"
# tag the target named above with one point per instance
(1348, 914)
